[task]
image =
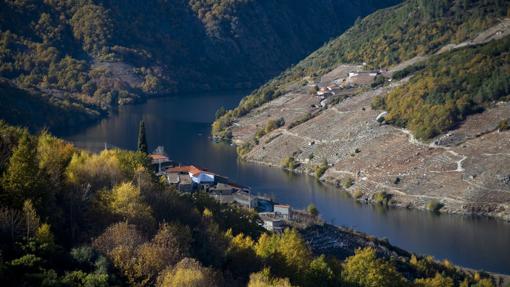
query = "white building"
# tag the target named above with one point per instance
(272, 222)
(282, 210)
(197, 175)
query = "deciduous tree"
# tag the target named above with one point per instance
(188, 272)
(21, 179)
(364, 269)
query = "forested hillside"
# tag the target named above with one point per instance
(95, 54)
(448, 88)
(72, 218)
(384, 38)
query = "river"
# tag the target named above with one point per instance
(182, 125)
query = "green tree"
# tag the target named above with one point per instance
(321, 169)
(484, 283)
(142, 138)
(265, 279)
(364, 269)
(21, 179)
(128, 203)
(92, 25)
(287, 254)
(312, 209)
(220, 112)
(437, 281)
(241, 256)
(45, 238)
(54, 155)
(319, 273)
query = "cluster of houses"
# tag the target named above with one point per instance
(191, 178)
(353, 79)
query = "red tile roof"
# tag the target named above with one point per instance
(186, 168)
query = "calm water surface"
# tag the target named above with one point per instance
(182, 126)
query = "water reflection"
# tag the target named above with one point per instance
(182, 126)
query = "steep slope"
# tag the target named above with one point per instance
(101, 53)
(386, 37)
(348, 127)
(25, 108)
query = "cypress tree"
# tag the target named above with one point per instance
(142, 138)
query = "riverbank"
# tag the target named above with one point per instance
(322, 238)
(436, 205)
(461, 172)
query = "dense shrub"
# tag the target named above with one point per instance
(244, 149)
(504, 125)
(434, 205)
(357, 194)
(382, 198)
(347, 182)
(270, 126)
(289, 163)
(304, 119)
(321, 168)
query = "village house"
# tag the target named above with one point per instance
(245, 199)
(272, 221)
(222, 192)
(282, 210)
(159, 160)
(181, 181)
(200, 177)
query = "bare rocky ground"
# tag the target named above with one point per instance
(467, 170)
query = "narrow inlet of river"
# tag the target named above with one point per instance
(182, 125)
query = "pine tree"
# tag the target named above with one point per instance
(142, 139)
(21, 179)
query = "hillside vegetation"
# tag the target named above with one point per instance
(35, 110)
(101, 53)
(384, 38)
(449, 87)
(72, 218)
